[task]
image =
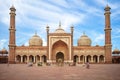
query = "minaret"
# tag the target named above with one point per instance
(12, 42)
(72, 30)
(108, 45)
(47, 30)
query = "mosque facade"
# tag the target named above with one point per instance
(60, 46)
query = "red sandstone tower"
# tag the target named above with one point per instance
(108, 45)
(12, 44)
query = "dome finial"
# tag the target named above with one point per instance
(59, 24)
(83, 32)
(35, 32)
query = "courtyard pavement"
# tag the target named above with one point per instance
(96, 72)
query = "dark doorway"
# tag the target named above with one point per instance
(59, 57)
(44, 58)
(76, 58)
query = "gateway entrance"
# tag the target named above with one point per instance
(59, 57)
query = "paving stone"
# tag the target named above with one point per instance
(96, 72)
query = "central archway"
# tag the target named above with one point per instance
(59, 57)
(60, 49)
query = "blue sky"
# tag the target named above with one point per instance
(33, 15)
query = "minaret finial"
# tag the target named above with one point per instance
(12, 2)
(35, 32)
(107, 2)
(59, 24)
(47, 25)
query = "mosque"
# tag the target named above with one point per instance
(60, 46)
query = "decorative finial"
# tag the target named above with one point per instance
(35, 32)
(47, 25)
(59, 24)
(47, 28)
(72, 27)
(107, 6)
(107, 2)
(83, 32)
(3, 47)
(13, 4)
(115, 47)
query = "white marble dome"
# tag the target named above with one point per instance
(59, 30)
(116, 50)
(35, 40)
(84, 40)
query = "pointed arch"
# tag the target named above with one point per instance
(60, 46)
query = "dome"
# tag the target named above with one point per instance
(4, 51)
(59, 30)
(116, 50)
(84, 41)
(35, 41)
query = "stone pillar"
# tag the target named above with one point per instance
(85, 59)
(15, 59)
(104, 59)
(34, 59)
(98, 59)
(91, 58)
(79, 59)
(27, 58)
(21, 59)
(40, 58)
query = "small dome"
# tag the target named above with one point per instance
(116, 50)
(59, 30)
(4, 51)
(84, 41)
(35, 40)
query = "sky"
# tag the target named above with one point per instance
(34, 15)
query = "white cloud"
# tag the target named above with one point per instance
(35, 15)
(3, 43)
(99, 38)
(105, 2)
(44, 13)
(4, 14)
(47, 13)
(116, 31)
(26, 43)
(44, 42)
